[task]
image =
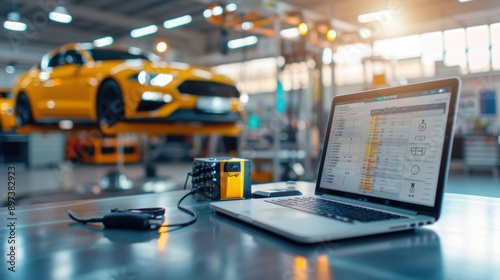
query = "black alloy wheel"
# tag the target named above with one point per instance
(24, 114)
(110, 106)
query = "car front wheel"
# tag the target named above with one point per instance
(110, 106)
(23, 110)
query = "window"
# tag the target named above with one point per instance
(383, 48)
(454, 39)
(407, 47)
(56, 60)
(478, 44)
(432, 47)
(73, 57)
(106, 54)
(349, 68)
(454, 46)
(478, 37)
(255, 76)
(495, 46)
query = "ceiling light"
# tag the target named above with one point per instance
(10, 69)
(143, 31)
(463, 1)
(176, 22)
(244, 98)
(242, 42)
(217, 11)
(105, 41)
(161, 47)
(290, 33)
(331, 35)
(246, 25)
(14, 22)
(207, 13)
(302, 28)
(384, 15)
(231, 7)
(60, 14)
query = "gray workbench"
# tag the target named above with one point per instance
(463, 244)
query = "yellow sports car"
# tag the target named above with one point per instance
(83, 83)
(7, 118)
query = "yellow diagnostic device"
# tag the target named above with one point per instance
(223, 178)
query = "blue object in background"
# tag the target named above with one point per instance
(487, 102)
(280, 98)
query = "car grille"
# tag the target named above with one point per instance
(204, 88)
(146, 105)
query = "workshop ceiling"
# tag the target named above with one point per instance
(94, 19)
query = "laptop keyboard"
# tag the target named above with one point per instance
(335, 210)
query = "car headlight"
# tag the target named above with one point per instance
(156, 80)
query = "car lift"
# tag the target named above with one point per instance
(145, 128)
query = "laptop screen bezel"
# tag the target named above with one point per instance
(434, 211)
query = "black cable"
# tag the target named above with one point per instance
(141, 218)
(185, 210)
(187, 177)
(84, 221)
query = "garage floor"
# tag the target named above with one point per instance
(47, 183)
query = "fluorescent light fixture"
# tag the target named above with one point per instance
(60, 14)
(290, 33)
(105, 41)
(143, 31)
(231, 7)
(463, 1)
(176, 22)
(375, 16)
(217, 11)
(14, 22)
(207, 13)
(242, 42)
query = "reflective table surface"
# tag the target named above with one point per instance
(463, 244)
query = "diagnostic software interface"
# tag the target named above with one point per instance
(388, 147)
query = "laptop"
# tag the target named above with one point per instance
(383, 167)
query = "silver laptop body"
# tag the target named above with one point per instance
(385, 149)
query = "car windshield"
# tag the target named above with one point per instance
(107, 54)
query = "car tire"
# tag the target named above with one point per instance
(24, 114)
(109, 104)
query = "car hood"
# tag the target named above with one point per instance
(174, 68)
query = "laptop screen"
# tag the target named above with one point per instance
(389, 143)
